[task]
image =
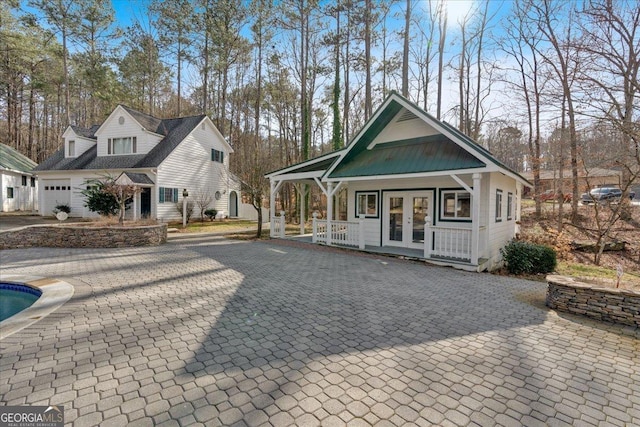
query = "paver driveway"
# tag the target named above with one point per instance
(212, 331)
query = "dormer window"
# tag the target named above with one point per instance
(72, 149)
(126, 145)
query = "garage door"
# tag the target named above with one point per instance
(56, 192)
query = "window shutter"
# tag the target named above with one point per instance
(135, 143)
(161, 195)
(213, 155)
(109, 146)
(222, 157)
(175, 195)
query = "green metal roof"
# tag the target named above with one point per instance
(319, 163)
(425, 154)
(13, 160)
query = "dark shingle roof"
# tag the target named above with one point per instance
(87, 133)
(13, 160)
(139, 178)
(175, 131)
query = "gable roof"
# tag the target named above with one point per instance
(89, 133)
(174, 131)
(11, 159)
(447, 149)
(425, 154)
(449, 136)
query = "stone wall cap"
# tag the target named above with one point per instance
(572, 282)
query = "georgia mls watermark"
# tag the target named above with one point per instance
(32, 416)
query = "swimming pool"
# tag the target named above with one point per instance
(15, 297)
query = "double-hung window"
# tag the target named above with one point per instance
(168, 195)
(72, 149)
(509, 206)
(455, 205)
(126, 145)
(498, 205)
(367, 204)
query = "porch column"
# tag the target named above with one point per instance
(302, 192)
(329, 210)
(136, 197)
(272, 199)
(475, 218)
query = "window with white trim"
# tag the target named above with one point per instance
(167, 195)
(367, 204)
(9, 192)
(509, 206)
(498, 205)
(455, 204)
(24, 180)
(72, 149)
(126, 145)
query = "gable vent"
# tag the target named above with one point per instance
(406, 115)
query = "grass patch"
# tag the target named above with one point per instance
(195, 226)
(598, 274)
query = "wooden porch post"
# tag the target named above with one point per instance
(329, 211)
(427, 237)
(135, 206)
(475, 218)
(361, 243)
(314, 228)
(282, 224)
(302, 192)
(272, 205)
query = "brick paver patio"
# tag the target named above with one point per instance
(207, 331)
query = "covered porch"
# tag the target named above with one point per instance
(406, 219)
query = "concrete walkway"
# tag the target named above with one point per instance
(207, 331)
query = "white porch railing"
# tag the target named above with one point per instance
(343, 233)
(277, 226)
(447, 242)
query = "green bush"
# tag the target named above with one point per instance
(528, 258)
(62, 208)
(211, 214)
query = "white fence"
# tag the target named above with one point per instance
(277, 228)
(342, 233)
(447, 242)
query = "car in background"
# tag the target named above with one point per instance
(604, 195)
(552, 196)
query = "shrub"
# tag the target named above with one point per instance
(528, 258)
(62, 208)
(99, 200)
(189, 208)
(211, 214)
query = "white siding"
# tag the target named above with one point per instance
(404, 130)
(498, 233)
(24, 197)
(373, 226)
(190, 166)
(82, 144)
(77, 181)
(112, 128)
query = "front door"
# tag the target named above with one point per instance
(403, 218)
(145, 202)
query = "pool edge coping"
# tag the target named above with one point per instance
(55, 293)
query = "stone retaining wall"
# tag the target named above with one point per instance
(83, 236)
(608, 304)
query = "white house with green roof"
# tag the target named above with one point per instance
(410, 184)
(18, 185)
(163, 157)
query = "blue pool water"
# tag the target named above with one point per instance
(15, 298)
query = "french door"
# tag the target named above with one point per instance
(403, 218)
